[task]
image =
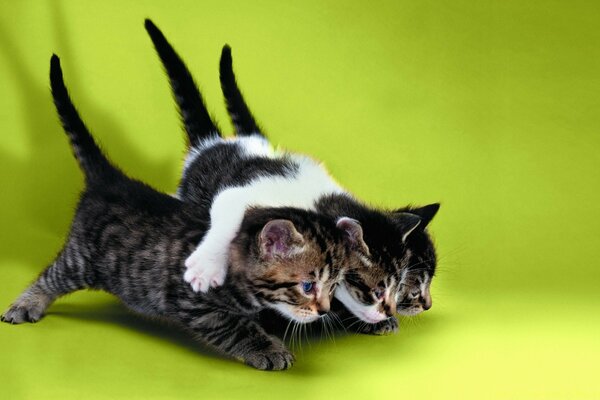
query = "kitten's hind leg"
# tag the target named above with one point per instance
(60, 278)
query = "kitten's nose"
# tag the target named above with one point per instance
(389, 308)
(425, 302)
(322, 309)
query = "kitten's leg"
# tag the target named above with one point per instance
(207, 265)
(239, 337)
(62, 277)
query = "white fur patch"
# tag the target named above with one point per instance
(208, 263)
(368, 314)
(255, 146)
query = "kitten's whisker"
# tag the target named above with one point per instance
(286, 330)
(337, 319)
(358, 320)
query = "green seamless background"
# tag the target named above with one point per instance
(490, 107)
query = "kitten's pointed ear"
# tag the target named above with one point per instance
(407, 222)
(426, 213)
(354, 233)
(279, 238)
(410, 219)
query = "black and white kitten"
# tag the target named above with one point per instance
(130, 240)
(392, 274)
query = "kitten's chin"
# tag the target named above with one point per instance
(372, 319)
(409, 312)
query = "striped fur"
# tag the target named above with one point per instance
(131, 240)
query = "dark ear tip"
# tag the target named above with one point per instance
(434, 206)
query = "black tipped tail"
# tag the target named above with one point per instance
(197, 122)
(91, 160)
(240, 114)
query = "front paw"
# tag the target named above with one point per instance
(205, 271)
(385, 327)
(19, 313)
(270, 359)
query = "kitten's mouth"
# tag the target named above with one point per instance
(409, 312)
(307, 319)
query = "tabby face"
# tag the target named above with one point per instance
(293, 274)
(395, 275)
(414, 296)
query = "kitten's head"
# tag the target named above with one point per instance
(293, 259)
(395, 275)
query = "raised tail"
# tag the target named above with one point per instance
(240, 114)
(92, 161)
(197, 122)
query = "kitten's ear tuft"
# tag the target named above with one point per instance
(354, 233)
(426, 212)
(279, 238)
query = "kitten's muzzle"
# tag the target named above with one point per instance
(389, 308)
(425, 302)
(322, 309)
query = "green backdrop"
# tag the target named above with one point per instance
(490, 107)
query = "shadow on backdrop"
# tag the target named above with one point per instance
(40, 189)
(114, 313)
(305, 342)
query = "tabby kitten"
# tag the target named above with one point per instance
(130, 240)
(393, 268)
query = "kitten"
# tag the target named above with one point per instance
(130, 240)
(393, 272)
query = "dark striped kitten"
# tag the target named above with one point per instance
(392, 274)
(130, 240)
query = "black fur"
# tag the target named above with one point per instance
(242, 118)
(196, 120)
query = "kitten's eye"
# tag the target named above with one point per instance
(415, 293)
(378, 293)
(307, 287)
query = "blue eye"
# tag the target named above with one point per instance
(307, 286)
(378, 293)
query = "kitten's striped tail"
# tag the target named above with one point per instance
(240, 114)
(196, 120)
(92, 161)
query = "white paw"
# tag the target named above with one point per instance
(204, 272)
